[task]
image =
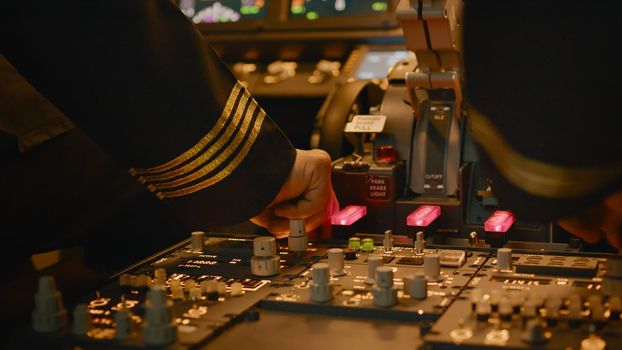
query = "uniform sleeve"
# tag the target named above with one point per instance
(141, 81)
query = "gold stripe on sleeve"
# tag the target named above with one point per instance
(221, 175)
(220, 123)
(534, 176)
(213, 149)
(247, 113)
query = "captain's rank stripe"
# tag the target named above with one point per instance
(224, 147)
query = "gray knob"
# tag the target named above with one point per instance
(336, 262)
(373, 261)
(320, 287)
(504, 259)
(264, 246)
(159, 327)
(384, 277)
(416, 286)
(298, 240)
(265, 266)
(432, 267)
(197, 241)
(320, 273)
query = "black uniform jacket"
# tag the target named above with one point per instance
(139, 79)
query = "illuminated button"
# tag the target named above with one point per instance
(499, 221)
(354, 243)
(386, 154)
(367, 245)
(348, 215)
(423, 216)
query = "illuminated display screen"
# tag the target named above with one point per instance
(314, 9)
(376, 64)
(223, 11)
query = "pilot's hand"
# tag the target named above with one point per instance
(306, 194)
(604, 218)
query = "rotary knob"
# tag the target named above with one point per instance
(264, 246)
(321, 290)
(197, 241)
(432, 267)
(385, 294)
(336, 262)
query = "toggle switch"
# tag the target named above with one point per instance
(387, 242)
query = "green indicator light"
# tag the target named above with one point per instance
(354, 243)
(249, 10)
(224, 18)
(312, 15)
(379, 6)
(298, 10)
(368, 245)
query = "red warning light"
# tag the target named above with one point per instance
(386, 154)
